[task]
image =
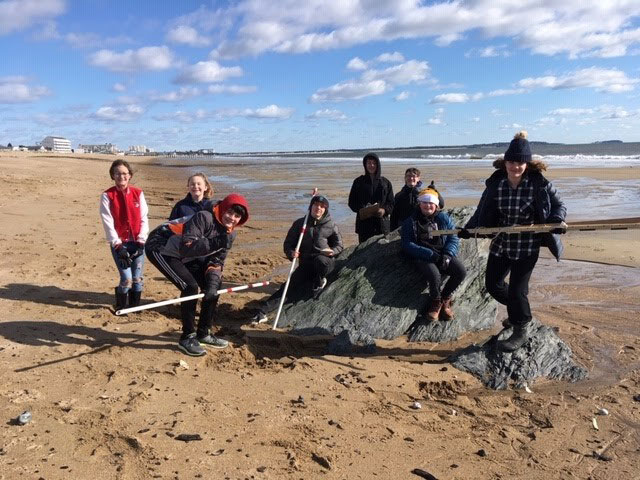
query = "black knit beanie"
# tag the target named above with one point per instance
(519, 150)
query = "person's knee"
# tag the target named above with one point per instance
(126, 283)
(190, 289)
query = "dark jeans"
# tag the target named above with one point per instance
(515, 293)
(309, 273)
(456, 273)
(187, 277)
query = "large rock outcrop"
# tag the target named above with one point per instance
(376, 292)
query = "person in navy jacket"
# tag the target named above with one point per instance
(434, 256)
(199, 197)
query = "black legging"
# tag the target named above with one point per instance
(309, 272)
(455, 271)
(187, 277)
(515, 293)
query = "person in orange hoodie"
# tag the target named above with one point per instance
(191, 252)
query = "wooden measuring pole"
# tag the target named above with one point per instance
(587, 226)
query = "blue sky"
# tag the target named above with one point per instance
(256, 75)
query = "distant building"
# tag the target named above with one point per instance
(104, 148)
(138, 149)
(56, 144)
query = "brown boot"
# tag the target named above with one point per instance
(434, 309)
(446, 313)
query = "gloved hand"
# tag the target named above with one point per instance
(139, 251)
(464, 233)
(443, 264)
(212, 284)
(122, 257)
(218, 242)
(560, 230)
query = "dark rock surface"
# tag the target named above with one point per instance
(544, 355)
(375, 292)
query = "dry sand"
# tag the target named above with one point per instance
(109, 397)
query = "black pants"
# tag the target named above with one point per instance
(515, 293)
(187, 277)
(455, 271)
(307, 275)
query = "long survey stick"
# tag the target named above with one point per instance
(190, 297)
(546, 227)
(293, 262)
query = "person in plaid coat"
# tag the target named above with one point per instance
(517, 194)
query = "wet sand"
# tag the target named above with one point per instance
(110, 398)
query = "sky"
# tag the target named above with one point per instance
(287, 75)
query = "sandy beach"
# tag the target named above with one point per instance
(110, 397)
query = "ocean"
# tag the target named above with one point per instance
(286, 179)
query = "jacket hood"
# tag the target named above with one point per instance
(227, 202)
(321, 199)
(377, 159)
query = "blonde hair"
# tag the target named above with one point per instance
(208, 192)
(534, 165)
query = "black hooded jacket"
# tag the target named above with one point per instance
(368, 191)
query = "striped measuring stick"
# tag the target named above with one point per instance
(190, 297)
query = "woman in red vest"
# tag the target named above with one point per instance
(124, 217)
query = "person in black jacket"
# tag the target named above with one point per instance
(190, 252)
(198, 198)
(406, 200)
(517, 194)
(320, 244)
(371, 198)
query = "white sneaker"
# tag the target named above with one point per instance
(259, 318)
(323, 283)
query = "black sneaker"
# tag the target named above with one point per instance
(191, 346)
(213, 341)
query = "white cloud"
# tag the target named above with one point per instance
(600, 79)
(412, 71)
(118, 87)
(182, 116)
(119, 113)
(571, 111)
(186, 35)
(143, 59)
(207, 72)
(451, 98)
(232, 89)
(357, 63)
(327, 114)
(183, 93)
(395, 57)
(501, 92)
(512, 126)
(435, 121)
(16, 15)
(374, 82)
(402, 96)
(572, 27)
(488, 52)
(270, 111)
(353, 90)
(16, 89)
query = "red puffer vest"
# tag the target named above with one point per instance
(125, 210)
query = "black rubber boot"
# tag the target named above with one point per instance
(121, 300)
(517, 339)
(134, 298)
